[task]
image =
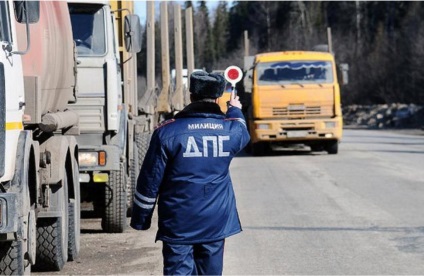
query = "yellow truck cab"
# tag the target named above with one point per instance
(295, 99)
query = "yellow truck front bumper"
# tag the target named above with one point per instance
(296, 130)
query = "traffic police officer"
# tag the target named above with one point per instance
(186, 169)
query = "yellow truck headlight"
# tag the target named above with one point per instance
(262, 126)
(330, 124)
(92, 158)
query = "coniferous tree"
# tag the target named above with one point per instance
(220, 30)
(204, 54)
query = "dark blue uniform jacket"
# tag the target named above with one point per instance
(186, 169)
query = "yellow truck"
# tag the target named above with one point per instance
(295, 100)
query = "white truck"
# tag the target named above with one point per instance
(107, 37)
(39, 189)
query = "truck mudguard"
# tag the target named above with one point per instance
(60, 146)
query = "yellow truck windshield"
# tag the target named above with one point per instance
(299, 72)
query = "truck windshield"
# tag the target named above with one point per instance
(88, 28)
(300, 72)
(4, 22)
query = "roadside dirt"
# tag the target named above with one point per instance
(132, 252)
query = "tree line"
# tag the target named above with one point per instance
(381, 41)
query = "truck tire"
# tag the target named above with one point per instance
(74, 230)
(115, 213)
(12, 260)
(332, 147)
(50, 255)
(132, 184)
(74, 218)
(317, 147)
(143, 141)
(259, 149)
(17, 256)
(52, 237)
(141, 145)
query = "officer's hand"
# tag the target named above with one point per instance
(234, 100)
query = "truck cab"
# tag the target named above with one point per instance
(295, 99)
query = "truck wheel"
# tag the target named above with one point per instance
(143, 141)
(74, 231)
(115, 214)
(134, 171)
(141, 145)
(258, 149)
(12, 260)
(74, 217)
(52, 237)
(17, 256)
(332, 147)
(317, 147)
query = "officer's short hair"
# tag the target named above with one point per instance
(206, 85)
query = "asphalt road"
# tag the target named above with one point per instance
(357, 212)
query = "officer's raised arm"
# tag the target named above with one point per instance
(234, 100)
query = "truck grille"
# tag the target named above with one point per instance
(91, 114)
(2, 118)
(307, 110)
(301, 111)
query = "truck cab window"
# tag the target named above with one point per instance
(4, 22)
(88, 23)
(304, 72)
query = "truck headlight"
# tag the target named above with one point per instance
(262, 126)
(92, 158)
(330, 124)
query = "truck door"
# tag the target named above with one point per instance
(2, 119)
(4, 30)
(98, 91)
(11, 91)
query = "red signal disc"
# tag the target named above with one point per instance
(233, 74)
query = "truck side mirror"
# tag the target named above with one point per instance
(248, 75)
(344, 67)
(27, 11)
(132, 28)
